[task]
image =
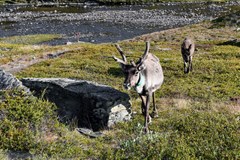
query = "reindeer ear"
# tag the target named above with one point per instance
(190, 46)
(141, 67)
(122, 66)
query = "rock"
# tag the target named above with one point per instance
(89, 132)
(92, 105)
(8, 81)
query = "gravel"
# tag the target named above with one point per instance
(108, 23)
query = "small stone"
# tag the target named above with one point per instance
(89, 132)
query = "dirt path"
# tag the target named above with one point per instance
(27, 60)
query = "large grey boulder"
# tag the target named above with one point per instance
(86, 103)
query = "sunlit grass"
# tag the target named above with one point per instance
(215, 70)
(12, 48)
(29, 39)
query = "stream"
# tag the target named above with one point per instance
(101, 24)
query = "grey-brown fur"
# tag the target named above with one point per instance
(187, 48)
(146, 76)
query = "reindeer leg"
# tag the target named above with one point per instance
(143, 98)
(154, 113)
(185, 67)
(147, 117)
(188, 67)
(190, 63)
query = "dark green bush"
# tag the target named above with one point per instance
(30, 125)
(23, 120)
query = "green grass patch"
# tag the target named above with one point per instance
(183, 134)
(26, 48)
(215, 74)
(29, 39)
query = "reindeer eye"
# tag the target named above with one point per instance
(136, 73)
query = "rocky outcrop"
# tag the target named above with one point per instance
(8, 81)
(86, 103)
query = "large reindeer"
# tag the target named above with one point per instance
(146, 76)
(187, 48)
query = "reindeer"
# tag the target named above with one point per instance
(187, 48)
(145, 76)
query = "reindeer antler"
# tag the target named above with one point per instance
(119, 60)
(146, 50)
(144, 56)
(121, 52)
(133, 63)
(124, 59)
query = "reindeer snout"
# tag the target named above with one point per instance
(127, 86)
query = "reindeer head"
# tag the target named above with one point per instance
(188, 50)
(133, 70)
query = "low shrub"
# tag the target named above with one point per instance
(24, 120)
(186, 134)
(30, 126)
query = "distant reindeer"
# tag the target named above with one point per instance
(146, 76)
(187, 48)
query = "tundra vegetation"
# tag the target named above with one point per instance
(198, 112)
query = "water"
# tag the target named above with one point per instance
(100, 24)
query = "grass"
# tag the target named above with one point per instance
(19, 47)
(215, 73)
(198, 118)
(31, 125)
(184, 134)
(29, 39)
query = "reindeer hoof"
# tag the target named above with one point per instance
(154, 115)
(186, 70)
(149, 119)
(146, 131)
